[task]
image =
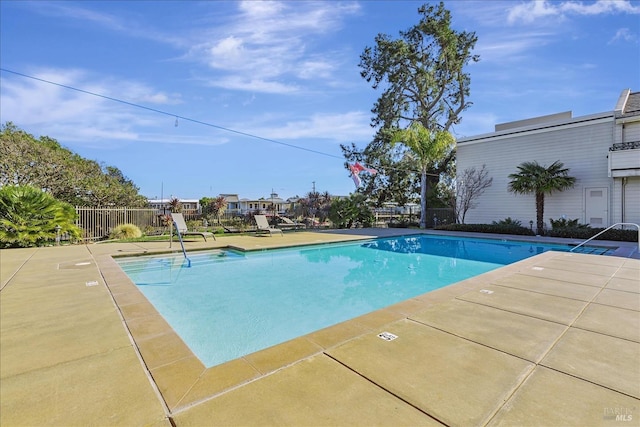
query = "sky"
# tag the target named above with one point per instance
(195, 99)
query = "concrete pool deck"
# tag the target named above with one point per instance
(551, 340)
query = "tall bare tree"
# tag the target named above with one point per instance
(470, 185)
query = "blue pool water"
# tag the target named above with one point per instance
(229, 304)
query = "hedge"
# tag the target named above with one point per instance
(586, 233)
(488, 228)
(575, 233)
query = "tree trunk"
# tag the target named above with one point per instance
(423, 199)
(540, 214)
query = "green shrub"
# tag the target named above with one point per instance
(508, 222)
(586, 233)
(31, 217)
(125, 231)
(352, 211)
(149, 230)
(403, 223)
(573, 233)
(488, 228)
(561, 223)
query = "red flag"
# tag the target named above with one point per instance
(356, 168)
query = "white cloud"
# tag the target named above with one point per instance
(625, 35)
(348, 127)
(600, 7)
(249, 83)
(130, 27)
(536, 9)
(529, 12)
(270, 46)
(509, 46)
(80, 117)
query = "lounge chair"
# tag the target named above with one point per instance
(287, 223)
(264, 227)
(181, 226)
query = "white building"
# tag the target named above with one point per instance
(602, 151)
(163, 205)
(267, 206)
(233, 204)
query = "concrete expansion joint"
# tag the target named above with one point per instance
(385, 389)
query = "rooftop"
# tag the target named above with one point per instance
(551, 340)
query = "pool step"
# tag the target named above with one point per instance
(593, 250)
(175, 262)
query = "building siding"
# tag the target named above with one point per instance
(631, 132)
(583, 149)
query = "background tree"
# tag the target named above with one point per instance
(175, 205)
(395, 183)
(344, 213)
(315, 204)
(45, 164)
(470, 185)
(423, 77)
(218, 206)
(29, 217)
(540, 180)
(207, 207)
(425, 149)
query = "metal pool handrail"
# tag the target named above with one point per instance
(184, 252)
(607, 229)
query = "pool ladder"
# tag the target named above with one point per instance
(607, 229)
(184, 252)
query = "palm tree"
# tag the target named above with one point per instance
(175, 205)
(540, 180)
(316, 203)
(426, 148)
(218, 206)
(31, 217)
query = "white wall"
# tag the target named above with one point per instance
(631, 200)
(582, 145)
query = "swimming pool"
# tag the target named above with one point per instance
(229, 304)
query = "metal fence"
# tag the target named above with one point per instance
(434, 217)
(440, 216)
(97, 223)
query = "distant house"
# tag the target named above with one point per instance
(602, 151)
(162, 205)
(264, 205)
(233, 204)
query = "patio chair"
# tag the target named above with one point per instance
(181, 226)
(264, 227)
(287, 223)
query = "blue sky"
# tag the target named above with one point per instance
(285, 72)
